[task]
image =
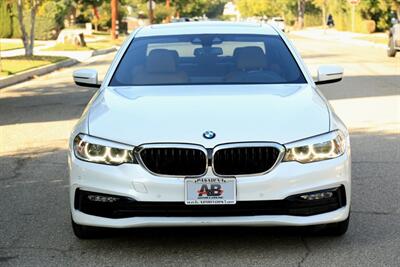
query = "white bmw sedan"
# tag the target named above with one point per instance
(209, 124)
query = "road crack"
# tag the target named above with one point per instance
(308, 252)
(374, 212)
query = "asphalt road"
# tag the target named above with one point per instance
(35, 120)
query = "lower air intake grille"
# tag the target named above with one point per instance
(125, 207)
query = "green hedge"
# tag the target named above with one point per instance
(312, 20)
(6, 21)
(48, 23)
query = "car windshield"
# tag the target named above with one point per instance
(207, 59)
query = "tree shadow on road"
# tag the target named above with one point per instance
(362, 86)
(64, 101)
(56, 102)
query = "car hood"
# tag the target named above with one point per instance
(181, 114)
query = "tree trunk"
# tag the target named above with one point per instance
(398, 10)
(324, 15)
(24, 35)
(301, 5)
(114, 17)
(34, 8)
(27, 40)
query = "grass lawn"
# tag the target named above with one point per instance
(89, 46)
(100, 33)
(66, 47)
(10, 46)
(12, 65)
(98, 45)
(101, 45)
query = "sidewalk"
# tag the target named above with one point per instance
(39, 45)
(344, 37)
(73, 58)
(43, 45)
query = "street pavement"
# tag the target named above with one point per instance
(37, 116)
(348, 38)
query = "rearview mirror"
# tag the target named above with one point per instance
(329, 74)
(86, 77)
(200, 51)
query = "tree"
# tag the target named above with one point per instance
(322, 4)
(301, 9)
(28, 39)
(396, 3)
(6, 20)
(258, 8)
(193, 8)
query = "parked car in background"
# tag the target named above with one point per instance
(394, 38)
(279, 22)
(182, 19)
(209, 124)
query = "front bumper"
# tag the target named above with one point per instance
(134, 182)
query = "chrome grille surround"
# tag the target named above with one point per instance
(143, 147)
(279, 147)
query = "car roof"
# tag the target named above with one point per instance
(207, 27)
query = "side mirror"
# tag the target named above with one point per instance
(329, 74)
(86, 77)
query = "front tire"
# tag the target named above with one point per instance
(86, 232)
(391, 50)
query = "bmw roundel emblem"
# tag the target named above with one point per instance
(209, 134)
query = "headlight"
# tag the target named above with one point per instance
(100, 151)
(321, 147)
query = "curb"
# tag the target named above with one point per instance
(103, 51)
(28, 74)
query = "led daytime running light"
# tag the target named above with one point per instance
(110, 155)
(320, 148)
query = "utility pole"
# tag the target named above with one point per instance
(114, 19)
(353, 18)
(353, 4)
(167, 5)
(1, 64)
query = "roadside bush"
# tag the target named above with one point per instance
(161, 13)
(369, 25)
(104, 22)
(371, 15)
(49, 20)
(312, 20)
(48, 23)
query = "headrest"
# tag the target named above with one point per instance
(250, 57)
(161, 61)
